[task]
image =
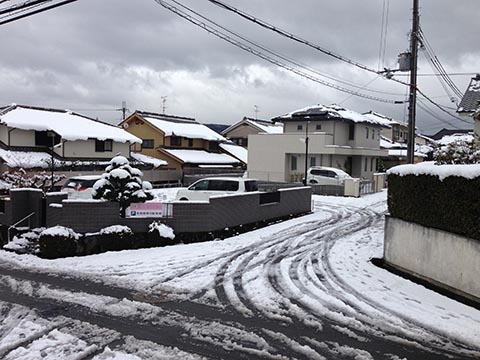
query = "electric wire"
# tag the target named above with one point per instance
(265, 57)
(46, 8)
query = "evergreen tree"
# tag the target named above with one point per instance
(122, 183)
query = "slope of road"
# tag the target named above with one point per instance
(304, 288)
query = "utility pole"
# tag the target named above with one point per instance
(256, 111)
(123, 110)
(412, 108)
(306, 154)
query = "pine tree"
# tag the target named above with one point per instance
(122, 183)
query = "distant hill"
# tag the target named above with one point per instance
(218, 128)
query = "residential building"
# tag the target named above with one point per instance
(337, 137)
(238, 133)
(470, 104)
(187, 146)
(30, 137)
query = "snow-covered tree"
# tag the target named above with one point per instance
(122, 183)
(457, 152)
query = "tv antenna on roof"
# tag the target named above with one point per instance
(256, 111)
(164, 104)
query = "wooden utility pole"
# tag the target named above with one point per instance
(412, 109)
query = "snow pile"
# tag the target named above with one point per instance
(470, 171)
(26, 243)
(60, 231)
(116, 229)
(163, 230)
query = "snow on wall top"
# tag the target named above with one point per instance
(148, 159)
(330, 111)
(70, 126)
(237, 151)
(470, 171)
(201, 157)
(191, 129)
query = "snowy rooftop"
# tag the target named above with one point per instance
(263, 126)
(236, 151)
(201, 157)
(449, 139)
(385, 120)
(70, 126)
(471, 99)
(185, 127)
(386, 143)
(329, 112)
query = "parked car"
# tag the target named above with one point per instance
(80, 187)
(322, 175)
(202, 189)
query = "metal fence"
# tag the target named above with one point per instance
(367, 187)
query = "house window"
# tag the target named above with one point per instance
(176, 141)
(373, 133)
(190, 142)
(313, 161)
(366, 164)
(148, 144)
(367, 132)
(42, 138)
(299, 127)
(351, 132)
(372, 160)
(294, 163)
(213, 145)
(318, 127)
(103, 145)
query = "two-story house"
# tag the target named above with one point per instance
(470, 105)
(238, 133)
(337, 137)
(31, 136)
(186, 145)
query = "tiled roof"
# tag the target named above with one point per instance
(471, 99)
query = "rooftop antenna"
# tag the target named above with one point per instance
(164, 104)
(256, 111)
(123, 110)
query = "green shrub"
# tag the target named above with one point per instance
(451, 205)
(58, 242)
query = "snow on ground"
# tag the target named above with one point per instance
(305, 268)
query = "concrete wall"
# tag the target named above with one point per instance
(219, 213)
(443, 258)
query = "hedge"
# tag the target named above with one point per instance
(452, 204)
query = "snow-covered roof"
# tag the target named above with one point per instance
(148, 159)
(382, 119)
(471, 99)
(178, 126)
(26, 160)
(201, 157)
(70, 126)
(329, 112)
(236, 151)
(403, 153)
(262, 126)
(448, 139)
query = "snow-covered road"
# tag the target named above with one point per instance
(303, 288)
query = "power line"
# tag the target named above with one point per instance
(34, 12)
(262, 55)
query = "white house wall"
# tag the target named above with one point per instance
(20, 137)
(4, 134)
(86, 149)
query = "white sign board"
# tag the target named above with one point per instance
(147, 210)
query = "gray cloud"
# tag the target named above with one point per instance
(94, 54)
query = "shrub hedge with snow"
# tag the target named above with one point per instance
(116, 229)
(122, 183)
(459, 151)
(438, 196)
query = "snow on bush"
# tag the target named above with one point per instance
(22, 179)
(60, 231)
(469, 171)
(163, 230)
(459, 151)
(26, 243)
(121, 183)
(116, 229)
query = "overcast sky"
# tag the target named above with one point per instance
(91, 55)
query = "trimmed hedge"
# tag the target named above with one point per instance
(451, 205)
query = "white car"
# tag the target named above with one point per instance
(322, 175)
(80, 187)
(203, 189)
